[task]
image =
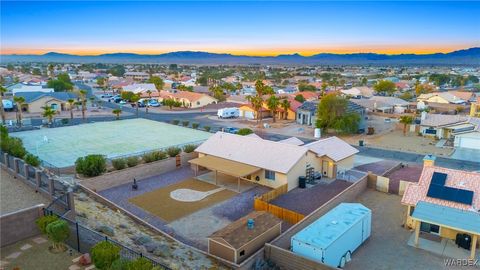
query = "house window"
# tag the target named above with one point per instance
(198, 102)
(270, 175)
(242, 253)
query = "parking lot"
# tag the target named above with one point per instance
(387, 246)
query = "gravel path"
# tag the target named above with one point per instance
(16, 195)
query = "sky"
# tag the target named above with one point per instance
(241, 28)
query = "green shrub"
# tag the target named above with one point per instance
(120, 264)
(58, 231)
(140, 264)
(195, 125)
(154, 156)
(132, 161)
(173, 151)
(207, 128)
(175, 122)
(104, 254)
(91, 165)
(13, 146)
(32, 160)
(42, 222)
(119, 163)
(3, 132)
(185, 123)
(189, 148)
(64, 121)
(244, 131)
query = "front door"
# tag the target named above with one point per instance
(325, 168)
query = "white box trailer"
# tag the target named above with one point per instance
(333, 238)
(228, 113)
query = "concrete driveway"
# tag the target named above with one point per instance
(466, 154)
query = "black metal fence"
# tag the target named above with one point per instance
(83, 240)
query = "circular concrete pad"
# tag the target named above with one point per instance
(190, 195)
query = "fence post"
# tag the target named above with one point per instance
(38, 178)
(51, 187)
(141, 254)
(16, 168)
(78, 237)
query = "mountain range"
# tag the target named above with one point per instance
(469, 56)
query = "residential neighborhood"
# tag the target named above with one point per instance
(165, 146)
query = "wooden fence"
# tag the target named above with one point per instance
(261, 203)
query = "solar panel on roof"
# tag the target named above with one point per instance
(449, 194)
(465, 196)
(435, 191)
(439, 178)
(438, 190)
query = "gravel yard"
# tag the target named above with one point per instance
(16, 195)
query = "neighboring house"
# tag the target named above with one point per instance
(443, 126)
(137, 76)
(441, 97)
(306, 113)
(307, 95)
(238, 241)
(383, 104)
(34, 101)
(355, 108)
(269, 163)
(358, 92)
(470, 136)
(443, 204)
(248, 112)
(475, 108)
(30, 88)
(188, 99)
(140, 88)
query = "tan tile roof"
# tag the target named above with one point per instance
(333, 148)
(436, 120)
(416, 192)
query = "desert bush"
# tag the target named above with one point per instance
(120, 264)
(173, 151)
(58, 231)
(132, 161)
(154, 156)
(189, 148)
(207, 128)
(185, 123)
(119, 163)
(244, 131)
(32, 160)
(42, 222)
(91, 165)
(140, 264)
(195, 125)
(175, 122)
(104, 254)
(13, 146)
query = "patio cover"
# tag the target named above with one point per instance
(462, 220)
(225, 166)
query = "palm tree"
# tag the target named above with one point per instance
(49, 113)
(149, 97)
(19, 101)
(406, 120)
(2, 110)
(285, 104)
(117, 112)
(134, 99)
(273, 102)
(256, 102)
(334, 82)
(83, 100)
(324, 88)
(71, 102)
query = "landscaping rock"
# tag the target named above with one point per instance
(123, 226)
(105, 229)
(82, 197)
(85, 260)
(150, 247)
(141, 239)
(81, 214)
(162, 251)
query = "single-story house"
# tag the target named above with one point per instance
(383, 104)
(34, 101)
(31, 88)
(444, 204)
(443, 126)
(269, 163)
(441, 97)
(248, 112)
(137, 76)
(238, 240)
(140, 88)
(306, 113)
(293, 141)
(358, 92)
(188, 99)
(475, 108)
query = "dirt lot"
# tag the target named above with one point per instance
(387, 246)
(159, 203)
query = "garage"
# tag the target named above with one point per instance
(468, 140)
(249, 115)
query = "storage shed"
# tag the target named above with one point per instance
(333, 238)
(238, 241)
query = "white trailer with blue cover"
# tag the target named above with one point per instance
(333, 238)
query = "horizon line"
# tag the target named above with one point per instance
(237, 54)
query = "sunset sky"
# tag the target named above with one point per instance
(250, 28)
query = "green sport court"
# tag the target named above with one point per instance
(62, 146)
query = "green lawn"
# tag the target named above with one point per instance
(113, 139)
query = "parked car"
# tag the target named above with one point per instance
(7, 105)
(153, 103)
(122, 101)
(232, 130)
(106, 96)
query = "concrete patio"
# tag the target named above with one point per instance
(444, 247)
(226, 181)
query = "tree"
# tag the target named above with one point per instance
(407, 96)
(2, 110)
(102, 83)
(83, 101)
(364, 81)
(118, 71)
(257, 103)
(157, 81)
(149, 97)
(51, 70)
(385, 87)
(71, 102)
(306, 87)
(19, 101)
(273, 102)
(62, 83)
(43, 222)
(169, 102)
(217, 92)
(406, 120)
(140, 264)
(424, 89)
(285, 104)
(117, 113)
(324, 88)
(49, 113)
(91, 165)
(36, 72)
(10, 67)
(104, 254)
(134, 99)
(300, 98)
(332, 113)
(58, 231)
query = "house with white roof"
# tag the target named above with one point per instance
(140, 88)
(269, 163)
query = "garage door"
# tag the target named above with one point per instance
(249, 115)
(473, 143)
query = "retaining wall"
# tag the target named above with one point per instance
(19, 225)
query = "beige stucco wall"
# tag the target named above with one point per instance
(36, 106)
(258, 242)
(437, 99)
(346, 163)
